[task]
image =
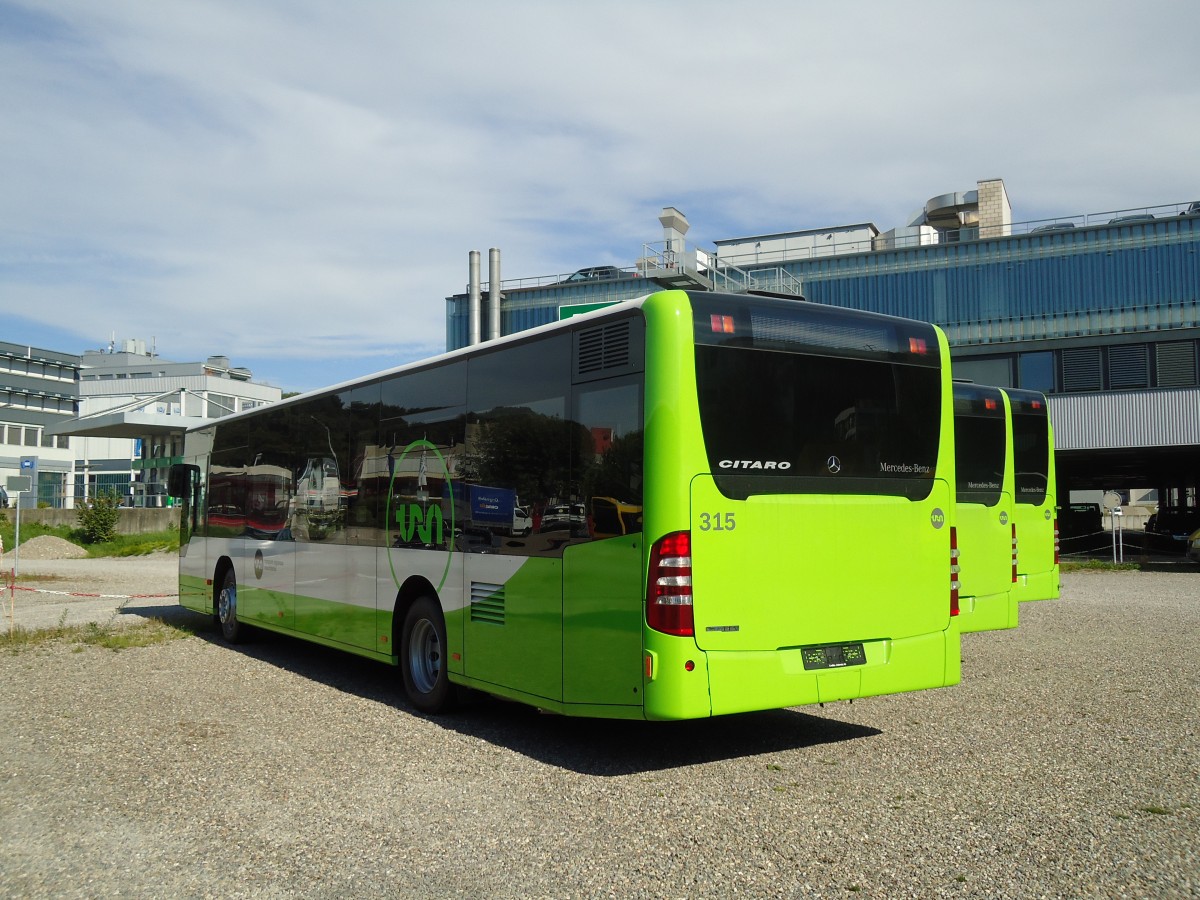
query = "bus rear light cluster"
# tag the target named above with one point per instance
(669, 589)
(1056, 542)
(1014, 553)
(954, 570)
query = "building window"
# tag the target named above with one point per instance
(1175, 363)
(1037, 371)
(220, 405)
(31, 437)
(996, 371)
(1081, 369)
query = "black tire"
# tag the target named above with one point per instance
(423, 658)
(231, 629)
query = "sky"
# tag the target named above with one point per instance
(297, 185)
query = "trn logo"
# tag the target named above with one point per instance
(412, 521)
(409, 523)
(937, 518)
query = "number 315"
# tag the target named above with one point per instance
(717, 522)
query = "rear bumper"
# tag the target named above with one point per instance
(1037, 586)
(994, 612)
(741, 682)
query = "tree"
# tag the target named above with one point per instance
(98, 517)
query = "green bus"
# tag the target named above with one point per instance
(1035, 511)
(983, 466)
(734, 503)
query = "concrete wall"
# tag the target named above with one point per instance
(132, 521)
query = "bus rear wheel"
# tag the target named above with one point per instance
(423, 658)
(231, 628)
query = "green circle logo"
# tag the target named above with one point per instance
(418, 522)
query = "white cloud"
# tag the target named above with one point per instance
(284, 182)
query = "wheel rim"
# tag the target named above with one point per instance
(226, 603)
(424, 656)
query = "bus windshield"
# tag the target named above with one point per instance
(798, 398)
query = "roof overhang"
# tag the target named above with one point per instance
(126, 425)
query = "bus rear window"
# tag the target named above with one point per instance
(979, 444)
(1031, 445)
(1031, 457)
(800, 398)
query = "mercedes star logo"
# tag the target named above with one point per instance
(833, 464)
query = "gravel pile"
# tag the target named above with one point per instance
(48, 546)
(1064, 765)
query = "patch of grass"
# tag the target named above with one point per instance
(1156, 810)
(30, 530)
(110, 636)
(136, 544)
(121, 545)
(1097, 565)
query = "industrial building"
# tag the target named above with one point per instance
(110, 419)
(1100, 311)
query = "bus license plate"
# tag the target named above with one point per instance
(833, 656)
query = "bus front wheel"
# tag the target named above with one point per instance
(231, 628)
(423, 657)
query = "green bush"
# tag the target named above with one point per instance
(98, 517)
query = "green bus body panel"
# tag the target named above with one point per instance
(196, 594)
(672, 692)
(986, 598)
(341, 623)
(378, 656)
(764, 584)
(673, 448)
(603, 614)
(1037, 575)
(524, 651)
(265, 606)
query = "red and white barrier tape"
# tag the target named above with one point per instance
(86, 594)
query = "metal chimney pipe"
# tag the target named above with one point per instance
(493, 294)
(473, 290)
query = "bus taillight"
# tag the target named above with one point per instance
(1056, 542)
(1014, 553)
(721, 324)
(669, 592)
(953, 571)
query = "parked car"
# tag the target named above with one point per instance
(595, 273)
(1193, 209)
(1178, 522)
(1193, 546)
(1053, 226)
(1080, 519)
(1131, 220)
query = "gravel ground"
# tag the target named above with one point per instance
(1064, 765)
(51, 591)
